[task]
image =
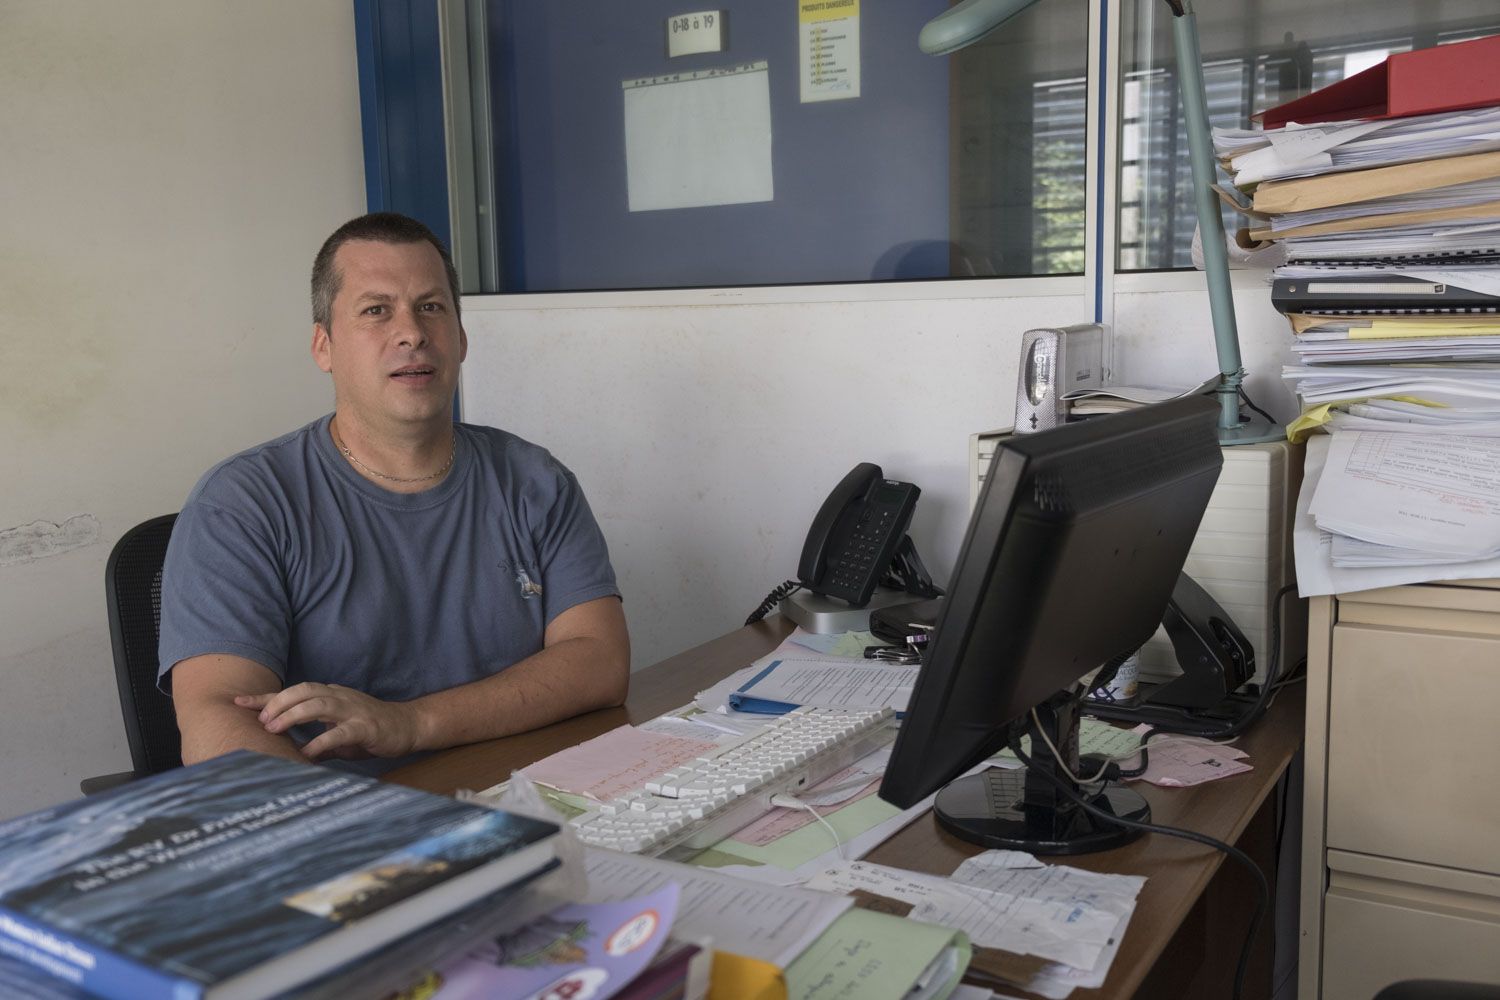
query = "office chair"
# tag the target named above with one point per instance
(1438, 989)
(132, 590)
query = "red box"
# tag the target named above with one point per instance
(1442, 78)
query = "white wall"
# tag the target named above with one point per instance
(167, 170)
(706, 436)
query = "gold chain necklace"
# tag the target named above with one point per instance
(393, 479)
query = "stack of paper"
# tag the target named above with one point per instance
(1069, 921)
(1335, 147)
(1379, 509)
(1392, 289)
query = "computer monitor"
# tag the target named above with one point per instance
(1070, 557)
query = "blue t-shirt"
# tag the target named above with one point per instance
(286, 556)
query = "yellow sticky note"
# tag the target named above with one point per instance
(735, 977)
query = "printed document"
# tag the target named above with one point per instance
(820, 684)
(1435, 493)
(1316, 573)
(772, 923)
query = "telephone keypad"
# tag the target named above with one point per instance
(863, 539)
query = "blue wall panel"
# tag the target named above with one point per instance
(401, 109)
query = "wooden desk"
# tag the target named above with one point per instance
(1192, 914)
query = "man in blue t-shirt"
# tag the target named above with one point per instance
(383, 581)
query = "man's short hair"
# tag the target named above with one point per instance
(379, 227)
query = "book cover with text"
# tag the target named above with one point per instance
(244, 875)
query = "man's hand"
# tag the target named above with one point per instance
(359, 725)
(584, 665)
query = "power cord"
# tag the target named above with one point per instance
(772, 599)
(792, 802)
(1263, 887)
(1224, 733)
(1248, 402)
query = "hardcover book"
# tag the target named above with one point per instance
(244, 876)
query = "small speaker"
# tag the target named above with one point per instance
(1054, 362)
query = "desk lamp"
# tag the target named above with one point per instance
(971, 20)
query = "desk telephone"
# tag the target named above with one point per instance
(858, 539)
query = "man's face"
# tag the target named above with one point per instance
(395, 343)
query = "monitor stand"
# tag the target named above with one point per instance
(1021, 810)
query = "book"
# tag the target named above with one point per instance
(245, 875)
(381, 973)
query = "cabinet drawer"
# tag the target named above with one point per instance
(1413, 746)
(1383, 923)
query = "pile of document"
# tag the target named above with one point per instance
(1392, 290)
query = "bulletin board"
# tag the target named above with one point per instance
(832, 150)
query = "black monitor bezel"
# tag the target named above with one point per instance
(915, 769)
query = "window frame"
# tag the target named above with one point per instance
(464, 160)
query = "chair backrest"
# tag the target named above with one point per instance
(132, 586)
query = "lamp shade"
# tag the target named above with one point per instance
(966, 23)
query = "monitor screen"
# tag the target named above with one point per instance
(1070, 558)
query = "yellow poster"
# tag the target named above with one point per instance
(829, 49)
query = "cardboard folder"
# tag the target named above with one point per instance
(1327, 190)
(1483, 212)
(1424, 82)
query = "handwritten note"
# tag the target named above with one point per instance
(874, 956)
(622, 760)
(847, 644)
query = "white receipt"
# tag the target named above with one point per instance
(1062, 914)
(771, 923)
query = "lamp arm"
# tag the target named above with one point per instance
(1210, 223)
(970, 20)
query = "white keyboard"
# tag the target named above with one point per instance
(704, 801)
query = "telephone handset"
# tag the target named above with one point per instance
(856, 535)
(857, 541)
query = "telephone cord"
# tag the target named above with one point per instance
(772, 599)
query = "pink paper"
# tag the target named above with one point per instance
(781, 821)
(610, 766)
(1180, 764)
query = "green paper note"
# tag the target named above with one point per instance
(866, 955)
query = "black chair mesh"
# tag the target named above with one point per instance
(133, 591)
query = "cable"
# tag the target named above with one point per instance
(1263, 893)
(772, 599)
(1036, 723)
(1248, 402)
(1143, 752)
(792, 802)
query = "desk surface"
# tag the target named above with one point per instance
(1177, 871)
